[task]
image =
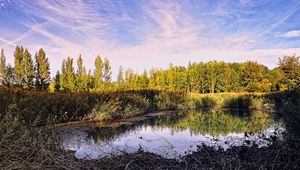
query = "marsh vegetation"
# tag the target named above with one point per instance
(232, 115)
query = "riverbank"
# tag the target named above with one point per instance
(20, 153)
(41, 108)
(25, 147)
(117, 122)
(276, 156)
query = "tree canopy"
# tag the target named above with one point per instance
(210, 77)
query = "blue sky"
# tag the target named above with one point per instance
(142, 34)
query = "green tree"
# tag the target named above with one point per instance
(202, 81)
(237, 73)
(51, 87)
(214, 74)
(98, 71)
(2, 67)
(230, 79)
(57, 85)
(194, 77)
(177, 78)
(19, 65)
(290, 67)
(10, 77)
(70, 75)
(85, 84)
(162, 81)
(153, 78)
(42, 70)
(63, 77)
(82, 82)
(29, 71)
(129, 76)
(253, 75)
(120, 77)
(90, 80)
(276, 76)
(106, 70)
(144, 80)
(171, 77)
(80, 68)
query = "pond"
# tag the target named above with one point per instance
(173, 134)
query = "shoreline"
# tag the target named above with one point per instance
(144, 116)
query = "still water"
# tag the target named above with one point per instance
(173, 134)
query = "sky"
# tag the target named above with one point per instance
(141, 34)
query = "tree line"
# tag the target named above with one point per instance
(71, 80)
(217, 76)
(209, 77)
(27, 73)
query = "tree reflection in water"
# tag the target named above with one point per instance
(176, 132)
(213, 122)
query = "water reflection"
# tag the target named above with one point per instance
(173, 134)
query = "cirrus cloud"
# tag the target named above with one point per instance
(144, 34)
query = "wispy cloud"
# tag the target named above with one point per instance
(143, 34)
(291, 34)
(8, 42)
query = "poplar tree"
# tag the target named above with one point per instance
(203, 83)
(19, 66)
(153, 79)
(214, 74)
(82, 77)
(80, 74)
(120, 76)
(57, 85)
(171, 73)
(2, 67)
(181, 79)
(144, 80)
(98, 71)
(62, 78)
(42, 70)
(106, 70)
(9, 78)
(80, 69)
(85, 82)
(90, 80)
(129, 75)
(70, 75)
(29, 72)
(194, 77)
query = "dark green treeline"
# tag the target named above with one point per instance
(210, 77)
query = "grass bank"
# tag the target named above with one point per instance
(65, 107)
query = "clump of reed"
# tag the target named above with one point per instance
(226, 100)
(66, 107)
